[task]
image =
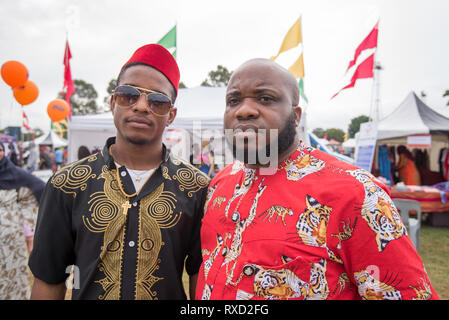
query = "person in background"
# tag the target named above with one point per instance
(408, 173)
(32, 160)
(12, 156)
(20, 194)
(45, 159)
(206, 158)
(59, 158)
(83, 152)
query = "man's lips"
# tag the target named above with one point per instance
(246, 128)
(139, 122)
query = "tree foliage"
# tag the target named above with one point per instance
(83, 101)
(354, 126)
(217, 78)
(319, 132)
(336, 134)
(111, 86)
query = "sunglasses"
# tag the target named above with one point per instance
(126, 96)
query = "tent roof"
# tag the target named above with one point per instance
(51, 139)
(412, 116)
(203, 104)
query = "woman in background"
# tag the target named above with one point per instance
(408, 173)
(20, 193)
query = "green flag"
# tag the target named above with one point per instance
(169, 40)
(301, 90)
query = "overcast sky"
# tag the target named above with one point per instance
(413, 46)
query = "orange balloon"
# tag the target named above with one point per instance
(58, 110)
(27, 93)
(14, 73)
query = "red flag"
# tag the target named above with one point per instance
(368, 43)
(363, 71)
(25, 121)
(68, 87)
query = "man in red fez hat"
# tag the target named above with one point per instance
(127, 218)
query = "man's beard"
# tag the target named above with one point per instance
(284, 141)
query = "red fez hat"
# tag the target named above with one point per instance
(159, 58)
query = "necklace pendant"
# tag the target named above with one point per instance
(138, 179)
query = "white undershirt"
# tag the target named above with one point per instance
(142, 174)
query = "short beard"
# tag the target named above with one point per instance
(285, 139)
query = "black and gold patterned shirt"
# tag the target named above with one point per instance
(122, 248)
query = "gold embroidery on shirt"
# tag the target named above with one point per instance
(165, 173)
(73, 176)
(111, 258)
(156, 213)
(104, 205)
(189, 179)
(105, 218)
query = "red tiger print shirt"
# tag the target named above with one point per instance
(318, 228)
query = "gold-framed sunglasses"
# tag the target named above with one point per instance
(126, 96)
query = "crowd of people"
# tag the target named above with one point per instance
(131, 218)
(30, 157)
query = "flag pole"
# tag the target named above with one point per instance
(375, 100)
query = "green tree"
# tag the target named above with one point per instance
(446, 94)
(182, 85)
(354, 126)
(217, 78)
(336, 134)
(111, 86)
(319, 132)
(83, 101)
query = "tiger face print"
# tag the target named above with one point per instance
(312, 223)
(302, 166)
(371, 288)
(283, 284)
(378, 211)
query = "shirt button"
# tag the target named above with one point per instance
(131, 244)
(123, 173)
(135, 203)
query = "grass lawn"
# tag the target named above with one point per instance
(434, 252)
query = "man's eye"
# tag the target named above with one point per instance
(232, 102)
(266, 99)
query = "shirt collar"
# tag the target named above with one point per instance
(109, 159)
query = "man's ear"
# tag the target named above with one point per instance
(111, 104)
(297, 111)
(171, 116)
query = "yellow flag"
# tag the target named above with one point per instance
(292, 39)
(297, 69)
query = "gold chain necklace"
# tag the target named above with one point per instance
(119, 181)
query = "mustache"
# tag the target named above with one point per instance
(252, 150)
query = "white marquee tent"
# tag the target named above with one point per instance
(51, 139)
(411, 117)
(414, 117)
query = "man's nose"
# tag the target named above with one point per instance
(247, 109)
(142, 103)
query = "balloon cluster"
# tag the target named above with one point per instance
(25, 91)
(15, 74)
